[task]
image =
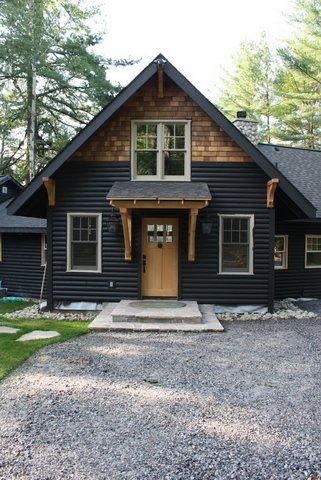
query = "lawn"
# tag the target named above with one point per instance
(13, 353)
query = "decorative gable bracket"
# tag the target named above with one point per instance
(270, 192)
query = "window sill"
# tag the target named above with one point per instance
(312, 268)
(280, 268)
(82, 271)
(247, 274)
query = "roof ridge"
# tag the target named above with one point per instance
(288, 146)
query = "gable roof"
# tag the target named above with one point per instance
(301, 166)
(14, 223)
(241, 140)
(10, 178)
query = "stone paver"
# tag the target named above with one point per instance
(38, 335)
(4, 329)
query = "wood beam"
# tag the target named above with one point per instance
(151, 203)
(191, 233)
(126, 218)
(270, 192)
(160, 75)
(50, 185)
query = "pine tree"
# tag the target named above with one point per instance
(251, 86)
(47, 64)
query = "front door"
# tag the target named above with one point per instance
(160, 257)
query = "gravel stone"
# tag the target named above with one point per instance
(34, 312)
(244, 404)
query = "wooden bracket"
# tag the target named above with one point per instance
(191, 233)
(126, 218)
(270, 192)
(160, 74)
(50, 185)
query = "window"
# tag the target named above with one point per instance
(43, 250)
(236, 244)
(4, 189)
(313, 251)
(281, 252)
(84, 242)
(161, 150)
(0, 247)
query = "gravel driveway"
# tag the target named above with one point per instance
(245, 404)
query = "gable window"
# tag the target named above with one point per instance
(161, 150)
(84, 242)
(281, 252)
(43, 249)
(236, 244)
(4, 189)
(313, 251)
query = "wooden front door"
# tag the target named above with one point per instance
(160, 257)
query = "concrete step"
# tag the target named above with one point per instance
(157, 311)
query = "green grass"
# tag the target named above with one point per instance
(14, 353)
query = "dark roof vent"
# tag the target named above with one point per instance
(241, 114)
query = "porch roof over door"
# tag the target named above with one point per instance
(139, 190)
(190, 196)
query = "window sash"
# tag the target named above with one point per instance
(79, 245)
(283, 253)
(161, 150)
(312, 252)
(243, 248)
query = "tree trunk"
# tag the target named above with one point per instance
(32, 113)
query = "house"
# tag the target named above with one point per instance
(22, 246)
(160, 195)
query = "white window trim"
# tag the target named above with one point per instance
(160, 176)
(309, 235)
(99, 233)
(286, 244)
(43, 250)
(4, 190)
(251, 243)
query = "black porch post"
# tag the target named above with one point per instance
(49, 259)
(271, 261)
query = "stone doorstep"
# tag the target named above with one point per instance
(210, 323)
(125, 312)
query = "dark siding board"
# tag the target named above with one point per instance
(13, 190)
(20, 269)
(82, 187)
(297, 281)
(236, 188)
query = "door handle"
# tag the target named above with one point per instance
(144, 263)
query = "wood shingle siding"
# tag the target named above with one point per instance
(235, 187)
(112, 141)
(20, 269)
(297, 281)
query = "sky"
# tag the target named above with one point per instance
(198, 37)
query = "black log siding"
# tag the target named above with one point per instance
(296, 280)
(12, 191)
(20, 269)
(82, 187)
(236, 188)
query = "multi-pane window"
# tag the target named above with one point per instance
(236, 242)
(281, 251)
(313, 251)
(84, 242)
(161, 150)
(43, 249)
